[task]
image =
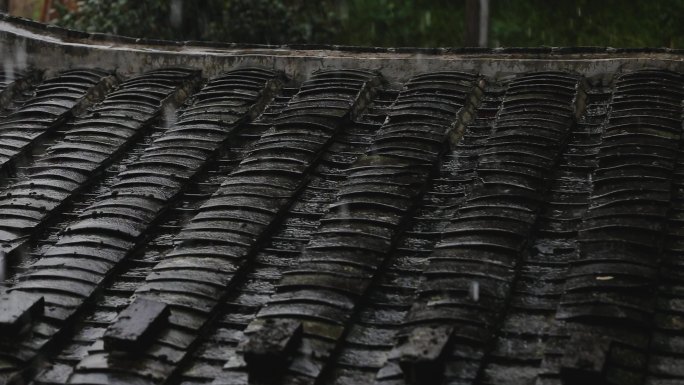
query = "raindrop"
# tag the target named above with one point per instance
(604, 277)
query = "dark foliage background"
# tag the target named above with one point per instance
(420, 23)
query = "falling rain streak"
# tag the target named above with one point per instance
(475, 291)
(176, 15)
(169, 116)
(3, 268)
(15, 59)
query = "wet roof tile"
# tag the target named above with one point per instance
(477, 217)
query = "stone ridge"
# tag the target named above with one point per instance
(75, 35)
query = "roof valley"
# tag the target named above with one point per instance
(643, 147)
(400, 165)
(70, 165)
(513, 164)
(217, 219)
(80, 250)
(54, 102)
(665, 358)
(521, 344)
(284, 247)
(373, 329)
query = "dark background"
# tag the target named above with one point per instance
(416, 23)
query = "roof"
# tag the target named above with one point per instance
(191, 213)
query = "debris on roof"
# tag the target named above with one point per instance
(207, 214)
